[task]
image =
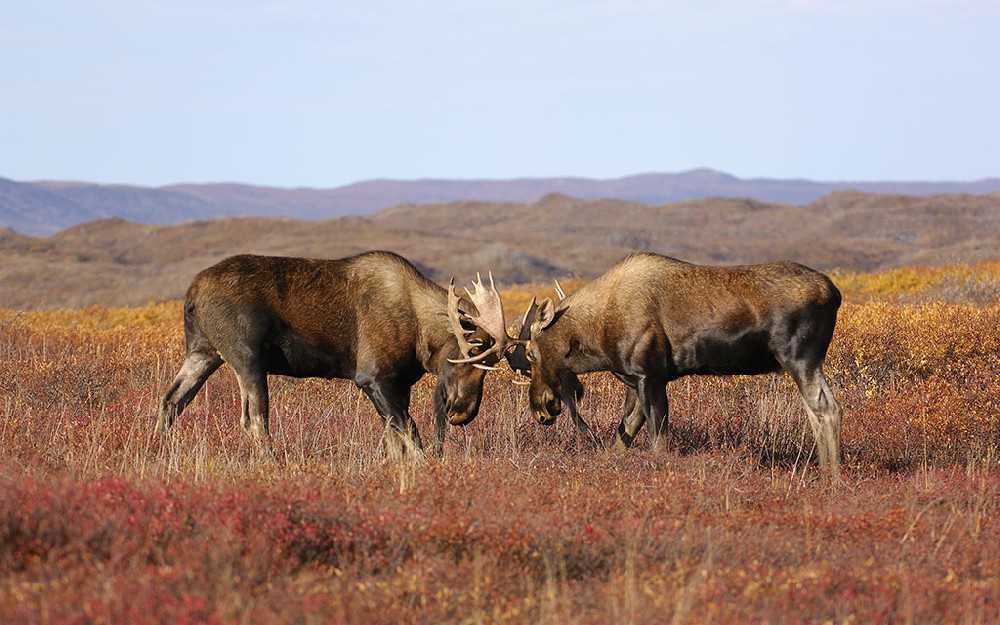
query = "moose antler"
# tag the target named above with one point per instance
(521, 327)
(489, 317)
(455, 317)
(560, 292)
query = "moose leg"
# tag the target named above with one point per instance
(197, 367)
(440, 418)
(404, 429)
(572, 390)
(253, 393)
(632, 419)
(581, 425)
(653, 399)
(825, 415)
(392, 401)
(254, 405)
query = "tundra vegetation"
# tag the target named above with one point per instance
(102, 520)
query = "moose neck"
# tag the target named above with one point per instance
(578, 334)
(436, 343)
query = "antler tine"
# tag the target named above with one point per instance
(559, 291)
(455, 317)
(487, 303)
(519, 328)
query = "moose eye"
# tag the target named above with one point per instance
(530, 355)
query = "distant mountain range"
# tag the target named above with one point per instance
(45, 208)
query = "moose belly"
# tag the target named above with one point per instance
(295, 356)
(721, 354)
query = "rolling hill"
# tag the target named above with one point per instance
(120, 262)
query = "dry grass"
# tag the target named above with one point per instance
(101, 521)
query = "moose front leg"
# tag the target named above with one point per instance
(632, 419)
(653, 399)
(440, 419)
(402, 437)
(572, 392)
(392, 402)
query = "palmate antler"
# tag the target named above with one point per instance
(489, 317)
(455, 316)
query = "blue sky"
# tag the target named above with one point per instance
(317, 93)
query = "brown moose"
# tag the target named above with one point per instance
(371, 318)
(651, 319)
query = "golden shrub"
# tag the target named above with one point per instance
(921, 339)
(979, 283)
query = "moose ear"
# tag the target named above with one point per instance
(546, 314)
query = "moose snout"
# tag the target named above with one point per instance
(462, 408)
(460, 412)
(545, 419)
(460, 418)
(550, 409)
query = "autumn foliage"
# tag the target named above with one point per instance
(101, 521)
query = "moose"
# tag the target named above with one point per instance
(651, 319)
(372, 318)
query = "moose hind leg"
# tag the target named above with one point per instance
(825, 416)
(254, 403)
(197, 367)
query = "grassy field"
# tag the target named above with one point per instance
(101, 521)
